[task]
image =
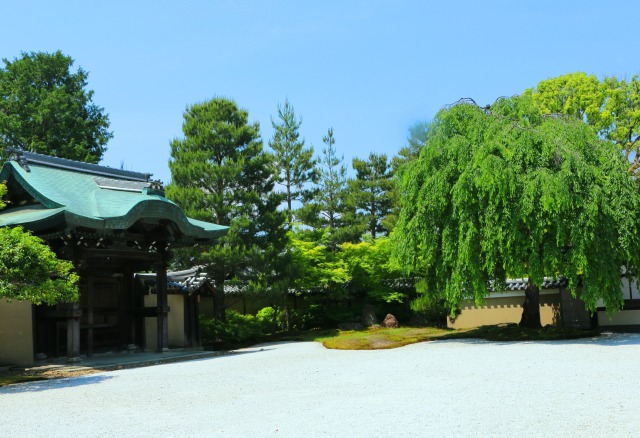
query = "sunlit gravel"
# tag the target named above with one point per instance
(584, 388)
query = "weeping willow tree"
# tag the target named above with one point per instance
(506, 191)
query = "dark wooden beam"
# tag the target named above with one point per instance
(163, 308)
(90, 296)
(73, 334)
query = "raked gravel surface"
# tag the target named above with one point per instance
(469, 388)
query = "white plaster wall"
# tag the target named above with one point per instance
(150, 324)
(175, 321)
(629, 290)
(16, 332)
(623, 317)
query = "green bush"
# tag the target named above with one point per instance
(338, 315)
(267, 319)
(431, 307)
(236, 330)
(311, 318)
(273, 319)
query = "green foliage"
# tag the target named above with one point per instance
(274, 320)
(221, 174)
(317, 266)
(612, 106)
(373, 193)
(29, 270)
(312, 317)
(338, 314)
(511, 192)
(295, 163)
(352, 270)
(45, 108)
(575, 94)
(368, 264)
(430, 306)
(268, 317)
(328, 210)
(3, 193)
(236, 329)
(333, 181)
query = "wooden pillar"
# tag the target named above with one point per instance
(196, 318)
(188, 320)
(163, 308)
(131, 298)
(123, 310)
(90, 315)
(73, 333)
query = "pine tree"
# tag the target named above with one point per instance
(294, 162)
(221, 174)
(331, 212)
(373, 192)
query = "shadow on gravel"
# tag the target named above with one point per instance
(47, 385)
(249, 351)
(606, 339)
(609, 340)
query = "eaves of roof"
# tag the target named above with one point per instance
(78, 199)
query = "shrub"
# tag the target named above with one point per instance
(237, 329)
(267, 319)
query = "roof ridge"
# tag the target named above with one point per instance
(24, 158)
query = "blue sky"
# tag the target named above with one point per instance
(369, 69)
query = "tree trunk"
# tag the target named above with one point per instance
(287, 327)
(218, 296)
(531, 307)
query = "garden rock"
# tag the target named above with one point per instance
(390, 321)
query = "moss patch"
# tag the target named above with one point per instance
(382, 338)
(10, 379)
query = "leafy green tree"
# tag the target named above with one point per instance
(509, 192)
(368, 264)
(373, 192)
(221, 174)
(316, 265)
(29, 270)
(418, 136)
(45, 108)
(612, 106)
(295, 162)
(575, 94)
(620, 119)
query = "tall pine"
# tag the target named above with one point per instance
(373, 192)
(221, 174)
(331, 212)
(295, 163)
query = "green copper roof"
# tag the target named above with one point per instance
(84, 197)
